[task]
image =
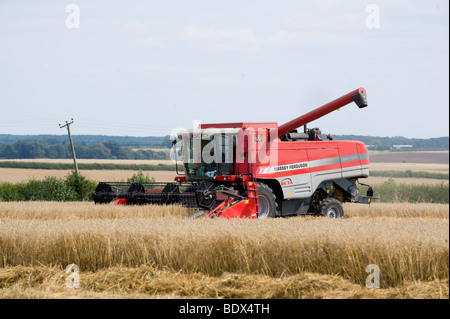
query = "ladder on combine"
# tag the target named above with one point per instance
(252, 189)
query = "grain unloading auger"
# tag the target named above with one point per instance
(257, 170)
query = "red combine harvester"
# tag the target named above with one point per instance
(258, 170)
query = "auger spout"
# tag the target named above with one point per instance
(358, 96)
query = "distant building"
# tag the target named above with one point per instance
(401, 146)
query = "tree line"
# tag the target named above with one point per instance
(136, 141)
(386, 143)
(86, 166)
(106, 150)
(376, 142)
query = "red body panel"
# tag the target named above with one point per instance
(242, 209)
(313, 156)
(121, 201)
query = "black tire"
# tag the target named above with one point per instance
(267, 201)
(331, 208)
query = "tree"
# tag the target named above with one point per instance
(118, 151)
(93, 151)
(30, 149)
(8, 152)
(139, 177)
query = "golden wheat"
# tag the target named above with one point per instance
(32, 210)
(409, 243)
(88, 210)
(397, 210)
(413, 249)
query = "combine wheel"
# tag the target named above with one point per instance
(331, 208)
(267, 201)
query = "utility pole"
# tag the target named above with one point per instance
(71, 145)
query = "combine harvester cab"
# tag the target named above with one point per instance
(258, 170)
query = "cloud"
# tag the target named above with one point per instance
(136, 27)
(295, 31)
(245, 39)
(208, 34)
(220, 39)
(341, 22)
(294, 38)
(149, 42)
(159, 67)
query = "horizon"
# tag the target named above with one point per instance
(158, 136)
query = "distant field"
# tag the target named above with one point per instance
(415, 167)
(375, 180)
(91, 161)
(441, 157)
(15, 175)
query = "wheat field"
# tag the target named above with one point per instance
(155, 252)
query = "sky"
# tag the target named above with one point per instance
(146, 68)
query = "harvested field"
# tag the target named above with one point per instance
(410, 157)
(415, 167)
(48, 282)
(155, 252)
(376, 180)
